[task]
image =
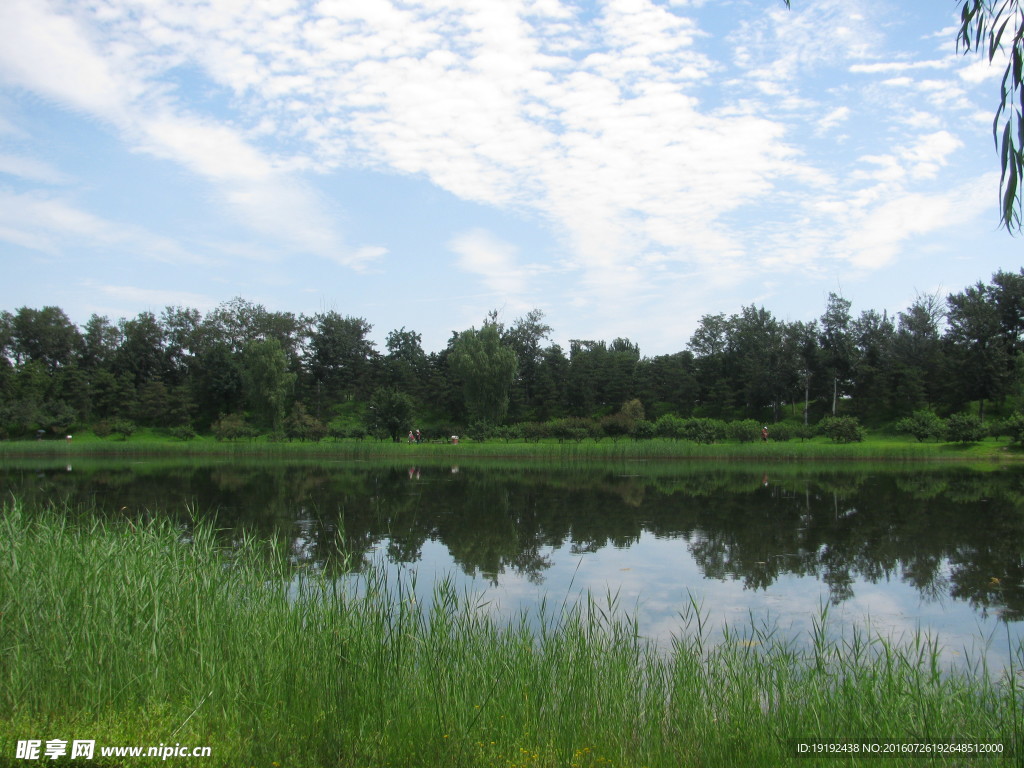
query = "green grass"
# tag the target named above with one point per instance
(877, 447)
(138, 633)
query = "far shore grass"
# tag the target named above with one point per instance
(875, 447)
(142, 633)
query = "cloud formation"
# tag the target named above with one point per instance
(654, 146)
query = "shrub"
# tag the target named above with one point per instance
(184, 432)
(922, 425)
(782, 432)
(745, 431)
(1013, 427)
(669, 425)
(301, 425)
(804, 431)
(841, 429)
(123, 427)
(572, 428)
(479, 431)
(508, 433)
(643, 430)
(964, 428)
(534, 431)
(357, 432)
(617, 425)
(703, 431)
(232, 427)
(107, 427)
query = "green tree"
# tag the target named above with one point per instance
(666, 384)
(551, 384)
(923, 425)
(762, 367)
(141, 355)
(964, 428)
(710, 346)
(873, 337)
(45, 336)
(216, 381)
(487, 368)
(267, 381)
(341, 356)
(405, 365)
(979, 351)
(100, 343)
(390, 413)
(300, 425)
(837, 345)
(918, 357)
(182, 339)
(841, 429)
(525, 337)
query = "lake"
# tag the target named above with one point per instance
(891, 549)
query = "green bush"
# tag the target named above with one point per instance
(745, 431)
(841, 429)
(534, 432)
(300, 425)
(643, 430)
(508, 432)
(571, 428)
(232, 427)
(964, 428)
(703, 431)
(184, 432)
(108, 427)
(1013, 427)
(617, 425)
(922, 425)
(479, 431)
(669, 425)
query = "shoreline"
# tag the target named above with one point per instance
(989, 451)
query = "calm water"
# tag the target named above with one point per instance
(941, 549)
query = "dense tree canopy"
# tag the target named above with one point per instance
(305, 376)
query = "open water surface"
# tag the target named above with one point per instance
(889, 549)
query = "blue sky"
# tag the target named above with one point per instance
(625, 166)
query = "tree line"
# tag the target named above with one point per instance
(242, 369)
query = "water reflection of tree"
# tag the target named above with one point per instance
(953, 532)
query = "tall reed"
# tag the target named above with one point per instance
(138, 632)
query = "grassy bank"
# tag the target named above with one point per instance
(881, 447)
(133, 633)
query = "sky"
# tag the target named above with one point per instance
(624, 166)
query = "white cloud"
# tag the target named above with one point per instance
(31, 169)
(52, 54)
(495, 262)
(50, 224)
(127, 295)
(653, 156)
(833, 118)
(874, 236)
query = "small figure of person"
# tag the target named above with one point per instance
(411, 437)
(419, 437)
(764, 434)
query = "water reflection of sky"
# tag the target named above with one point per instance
(656, 578)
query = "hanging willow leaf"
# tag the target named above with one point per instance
(985, 21)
